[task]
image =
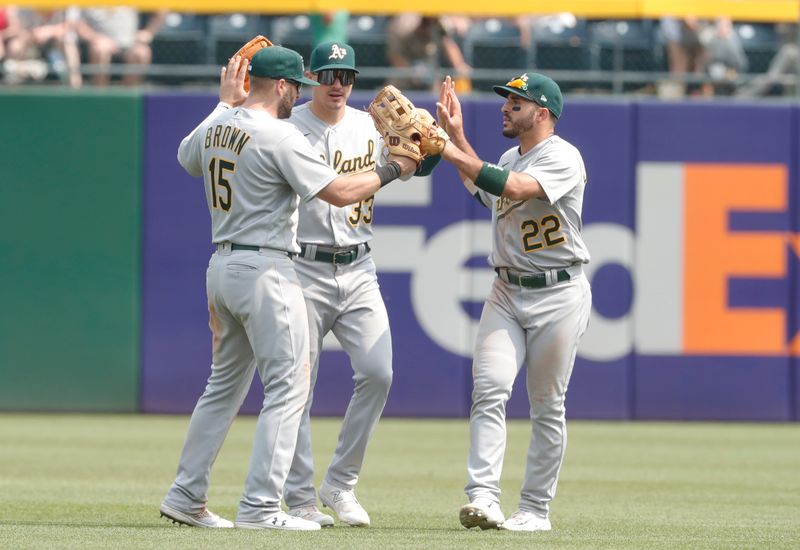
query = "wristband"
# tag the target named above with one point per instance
(388, 172)
(492, 179)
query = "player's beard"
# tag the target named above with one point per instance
(518, 127)
(286, 104)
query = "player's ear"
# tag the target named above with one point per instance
(310, 75)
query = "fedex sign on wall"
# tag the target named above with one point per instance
(721, 290)
(691, 218)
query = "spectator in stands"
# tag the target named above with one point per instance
(726, 57)
(39, 43)
(10, 27)
(414, 45)
(686, 53)
(110, 32)
(785, 63)
(329, 26)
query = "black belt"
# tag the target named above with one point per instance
(245, 247)
(338, 256)
(535, 280)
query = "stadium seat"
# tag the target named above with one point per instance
(623, 45)
(495, 44)
(293, 31)
(760, 42)
(559, 43)
(181, 40)
(367, 36)
(229, 31)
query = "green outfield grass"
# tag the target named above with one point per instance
(95, 481)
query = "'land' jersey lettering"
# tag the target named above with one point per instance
(537, 235)
(255, 169)
(350, 146)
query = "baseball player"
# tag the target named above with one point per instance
(341, 288)
(256, 168)
(539, 304)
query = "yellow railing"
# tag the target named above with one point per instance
(742, 10)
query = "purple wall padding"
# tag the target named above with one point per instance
(727, 387)
(428, 379)
(176, 343)
(712, 388)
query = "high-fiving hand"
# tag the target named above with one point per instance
(448, 110)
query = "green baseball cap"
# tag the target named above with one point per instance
(535, 87)
(279, 62)
(333, 55)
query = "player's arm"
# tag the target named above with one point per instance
(491, 178)
(348, 189)
(311, 177)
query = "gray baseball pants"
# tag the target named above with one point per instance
(346, 300)
(258, 319)
(539, 328)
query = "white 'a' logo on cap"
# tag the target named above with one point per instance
(337, 52)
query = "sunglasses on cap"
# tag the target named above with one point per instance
(329, 76)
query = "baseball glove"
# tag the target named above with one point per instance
(249, 50)
(406, 130)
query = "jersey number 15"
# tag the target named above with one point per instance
(217, 170)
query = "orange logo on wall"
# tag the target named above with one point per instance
(713, 254)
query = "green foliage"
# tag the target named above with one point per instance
(95, 481)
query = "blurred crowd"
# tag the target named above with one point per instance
(36, 45)
(114, 45)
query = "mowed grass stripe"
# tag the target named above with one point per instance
(95, 481)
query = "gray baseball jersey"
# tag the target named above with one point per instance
(536, 312)
(541, 234)
(350, 146)
(343, 298)
(244, 145)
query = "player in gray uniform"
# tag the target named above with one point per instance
(256, 168)
(340, 285)
(539, 305)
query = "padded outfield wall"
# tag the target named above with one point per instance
(691, 218)
(691, 215)
(70, 167)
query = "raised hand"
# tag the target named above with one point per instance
(448, 110)
(231, 81)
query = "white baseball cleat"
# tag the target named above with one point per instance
(345, 504)
(280, 520)
(482, 512)
(312, 513)
(205, 518)
(522, 520)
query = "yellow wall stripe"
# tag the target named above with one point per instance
(744, 10)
